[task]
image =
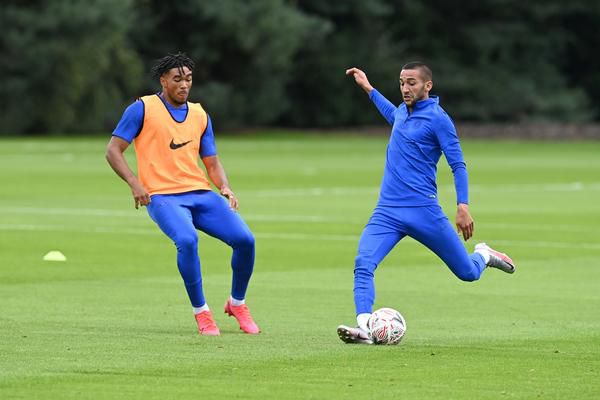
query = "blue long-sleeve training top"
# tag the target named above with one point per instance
(415, 147)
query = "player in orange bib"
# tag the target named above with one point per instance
(169, 135)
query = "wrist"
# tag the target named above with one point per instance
(132, 180)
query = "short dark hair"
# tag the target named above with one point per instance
(425, 70)
(171, 60)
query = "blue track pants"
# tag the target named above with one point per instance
(180, 215)
(429, 226)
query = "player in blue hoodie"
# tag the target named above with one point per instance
(408, 203)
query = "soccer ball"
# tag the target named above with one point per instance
(386, 326)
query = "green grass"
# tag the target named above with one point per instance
(114, 321)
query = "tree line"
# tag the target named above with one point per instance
(71, 67)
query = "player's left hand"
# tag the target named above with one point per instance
(228, 194)
(464, 222)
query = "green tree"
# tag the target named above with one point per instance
(496, 60)
(580, 62)
(66, 65)
(244, 52)
(357, 36)
(71, 66)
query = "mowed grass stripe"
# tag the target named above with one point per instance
(33, 212)
(282, 236)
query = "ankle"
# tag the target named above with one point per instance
(236, 302)
(198, 310)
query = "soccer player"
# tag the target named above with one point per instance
(170, 134)
(408, 204)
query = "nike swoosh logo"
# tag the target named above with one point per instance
(175, 146)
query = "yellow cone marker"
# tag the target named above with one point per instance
(55, 255)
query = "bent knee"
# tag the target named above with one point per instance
(246, 240)
(468, 276)
(187, 241)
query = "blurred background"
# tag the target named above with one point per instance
(501, 67)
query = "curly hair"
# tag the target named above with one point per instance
(176, 60)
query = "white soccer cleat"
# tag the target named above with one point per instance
(497, 259)
(353, 335)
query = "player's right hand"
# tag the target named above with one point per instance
(141, 197)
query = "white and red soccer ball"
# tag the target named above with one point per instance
(386, 326)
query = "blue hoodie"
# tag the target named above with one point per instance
(416, 145)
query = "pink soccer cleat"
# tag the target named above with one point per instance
(242, 314)
(206, 324)
(497, 259)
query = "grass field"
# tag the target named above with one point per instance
(113, 321)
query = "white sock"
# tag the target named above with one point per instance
(236, 302)
(362, 320)
(484, 253)
(198, 310)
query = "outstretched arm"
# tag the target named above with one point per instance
(114, 155)
(385, 107)
(217, 175)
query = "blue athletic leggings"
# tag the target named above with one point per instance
(180, 215)
(429, 226)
